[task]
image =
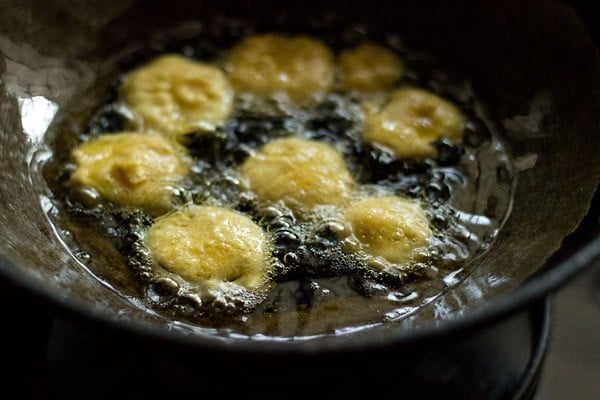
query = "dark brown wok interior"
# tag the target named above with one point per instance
(531, 63)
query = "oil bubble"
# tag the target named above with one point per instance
(83, 257)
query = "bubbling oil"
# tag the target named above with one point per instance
(318, 287)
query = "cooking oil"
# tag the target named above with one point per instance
(317, 285)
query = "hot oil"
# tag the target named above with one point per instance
(318, 288)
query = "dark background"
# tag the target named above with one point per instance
(572, 366)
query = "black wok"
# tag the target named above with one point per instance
(533, 65)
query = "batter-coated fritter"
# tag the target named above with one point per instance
(369, 68)
(206, 244)
(411, 122)
(301, 173)
(267, 64)
(387, 229)
(130, 169)
(174, 95)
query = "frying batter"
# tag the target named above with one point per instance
(411, 122)
(131, 169)
(301, 173)
(206, 244)
(369, 68)
(299, 66)
(387, 229)
(174, 95)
